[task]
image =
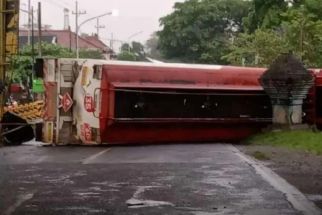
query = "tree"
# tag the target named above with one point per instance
(257, 49)
(126, 47)
(199, 30)
(303, 31)
(126, 56)
(265, 14)
(152, 47)
(48, 50)
(277, 26)
(21, 65)
(92, 54)
(137, 47)
(138, 50)
(133, 52)
(21, 69)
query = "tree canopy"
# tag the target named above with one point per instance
(242, 32)
(197, 29)
(132, 52)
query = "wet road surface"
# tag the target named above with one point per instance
(163, 179)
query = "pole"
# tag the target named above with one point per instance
(98, 27)
(77, 13)
(32, 36)
(39, 30)
(112, 41)
(70, 39)
(29, 22)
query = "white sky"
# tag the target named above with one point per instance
(134, 16)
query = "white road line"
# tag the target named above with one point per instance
(293, 195)
(93, 157)
(20, 201)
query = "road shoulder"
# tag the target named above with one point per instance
(301, 169)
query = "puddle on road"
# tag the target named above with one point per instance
(59, 180)
(137, 202)
(86, 209)
(314, 198)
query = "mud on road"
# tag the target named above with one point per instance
(301, 169)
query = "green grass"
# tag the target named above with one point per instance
(305, 140)
(260, 156)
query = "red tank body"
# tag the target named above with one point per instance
(112, 102)
(147, 103)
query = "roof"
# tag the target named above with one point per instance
(23, 40)
(67, 39)
(96, 41)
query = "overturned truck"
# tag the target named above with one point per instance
(111, 102)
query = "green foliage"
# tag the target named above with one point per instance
(250, 33)
(21, 69)
(199, 30)
(302, 140)
(92, 54)
(260, 156)
(279, 28)
(126, 47)
(152, 46)
(133, 52)
(138, 49)
(21, 65)
(48, 50)
(303, 31)
(126, 56)
(265, 14)
(257, 49)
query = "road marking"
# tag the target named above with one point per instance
(93, 157)
(293, 195)
(20, 201)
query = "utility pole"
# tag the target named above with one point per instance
(77, 13)
(39, 30)
(112, 42)
(98, 27)
(29, 22)
(32, 36)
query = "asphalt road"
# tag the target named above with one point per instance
(183, 179)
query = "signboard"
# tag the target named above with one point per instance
(86, 132)
(89, 104)
(66, 102)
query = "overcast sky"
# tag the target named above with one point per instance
(134, 16)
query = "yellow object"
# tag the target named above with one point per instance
(30, 112)
(85, 73)
(48, 132)
(9, 33)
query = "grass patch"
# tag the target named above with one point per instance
(305, 140)
(260, 156)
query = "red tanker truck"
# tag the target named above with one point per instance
(113, 102)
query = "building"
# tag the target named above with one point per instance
(67, 39)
